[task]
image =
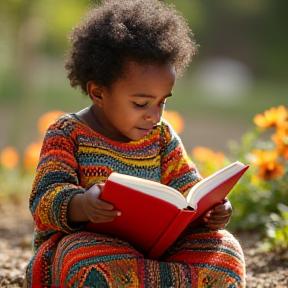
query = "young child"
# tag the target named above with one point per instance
(126, 56)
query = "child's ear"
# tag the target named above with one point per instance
(94, 92)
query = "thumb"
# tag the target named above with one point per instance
(96, 191)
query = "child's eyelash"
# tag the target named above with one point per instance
(145, 104)
(140, 105)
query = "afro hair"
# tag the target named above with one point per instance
(145, 31)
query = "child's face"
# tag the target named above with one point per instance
(134, 103)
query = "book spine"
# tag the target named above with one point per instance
(170, 235)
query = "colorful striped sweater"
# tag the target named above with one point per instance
(74, 157)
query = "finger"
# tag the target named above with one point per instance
(111, 215)
(96, 190)
(105, 213)
(217, 220)
(216, 217)
(217, 214)
(101, 219)
(221, 207)
(103, 205)
(101, 186)
(220, 211)
(216, 223)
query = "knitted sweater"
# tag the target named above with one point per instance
(74, 157)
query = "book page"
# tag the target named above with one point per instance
(209, 183)
(152, 188)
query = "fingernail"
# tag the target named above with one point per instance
(118, 213)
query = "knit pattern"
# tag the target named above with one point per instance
(73, 158)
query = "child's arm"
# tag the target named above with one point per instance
(56, 182)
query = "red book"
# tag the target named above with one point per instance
(153, 215)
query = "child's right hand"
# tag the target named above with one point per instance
(96, 210)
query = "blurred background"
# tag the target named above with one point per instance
(241, 68)
(241, 71)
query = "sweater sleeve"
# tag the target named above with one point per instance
(56, 179)
(178, 171)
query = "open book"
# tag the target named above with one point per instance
(153, 215)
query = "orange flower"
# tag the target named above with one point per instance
(47, 119)
(285, 153)
(31, 156)
(273, 117)
(208, 161)
(9, 158)
(202, 154)
(266, 161)
(175, 119)
(280, 138)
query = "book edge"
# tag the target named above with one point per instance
(151, 188)
(193, 198)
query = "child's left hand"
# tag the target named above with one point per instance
(219, 216)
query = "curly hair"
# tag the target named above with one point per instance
(145, 31)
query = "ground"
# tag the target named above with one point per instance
(263, 270)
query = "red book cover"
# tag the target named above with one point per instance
(214, 197)
(143, 217)
(151, 224)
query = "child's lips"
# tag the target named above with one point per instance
(145, 130)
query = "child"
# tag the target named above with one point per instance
(126, 56)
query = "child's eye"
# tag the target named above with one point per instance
(140, 105)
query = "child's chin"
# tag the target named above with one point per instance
(143, 133)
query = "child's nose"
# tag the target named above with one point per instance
(153, 114)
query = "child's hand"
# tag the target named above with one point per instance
(96, 210)
(219, 216)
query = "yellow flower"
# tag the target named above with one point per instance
(273, 117)
(47, 119)
(266, 161)
(9, 158)
(255, 180)
(31, 156)
(175, 119)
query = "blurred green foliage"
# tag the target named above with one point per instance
(33, 41)
(263, 188)
(276, 231)
(260, 197)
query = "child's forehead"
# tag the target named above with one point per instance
(147, 79)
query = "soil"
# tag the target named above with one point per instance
(263, 269)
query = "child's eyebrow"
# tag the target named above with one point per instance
(149, 96)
